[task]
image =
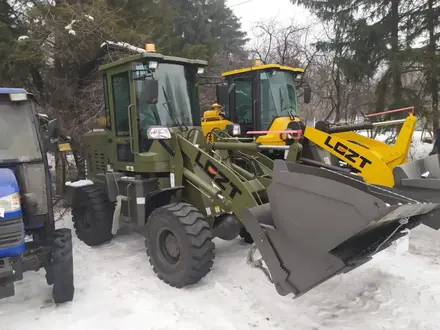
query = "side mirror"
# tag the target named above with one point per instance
(151, 91)
(222, 91)
(307, 94)
(53, 129)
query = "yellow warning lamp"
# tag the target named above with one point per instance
(150, 48)
(257, 63)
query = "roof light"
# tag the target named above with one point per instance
(15, 97)
(150, 48)
(152, 65)
(257, 62)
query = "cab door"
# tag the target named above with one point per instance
(121, 96)
(244, 101)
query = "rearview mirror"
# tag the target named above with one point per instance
(151, 91)
(307, 94)
(53, 129)
(222, 91)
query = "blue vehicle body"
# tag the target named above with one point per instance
(26, 206)
(12, 90)
(9, 186)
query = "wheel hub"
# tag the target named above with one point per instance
(169, 246)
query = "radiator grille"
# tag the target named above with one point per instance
(98, 161)
(11, 232)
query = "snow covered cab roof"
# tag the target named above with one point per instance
(152, 56)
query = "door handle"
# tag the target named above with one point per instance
(130, 128)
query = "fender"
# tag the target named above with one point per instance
(159, 198)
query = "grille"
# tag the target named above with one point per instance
(11, 232)
(98, 159)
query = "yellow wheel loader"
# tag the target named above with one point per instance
(262, 99)
(151, 167)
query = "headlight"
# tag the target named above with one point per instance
(10, 203)
(14, 97)
(200, 70)
(158, 133)
(233, 129)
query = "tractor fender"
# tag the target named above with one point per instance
(159, 198)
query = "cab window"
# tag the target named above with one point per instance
(243, 101)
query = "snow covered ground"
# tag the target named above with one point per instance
(117, 289)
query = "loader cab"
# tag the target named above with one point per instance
(142, 92)
(263, 97)
(23, 153)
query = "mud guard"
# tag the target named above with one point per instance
(320, 223)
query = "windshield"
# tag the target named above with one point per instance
(18, 138)
(178, 103)
(278, 96)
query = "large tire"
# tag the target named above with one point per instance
(92, 215)
(61, 266)
(192, 235)
(247, 238)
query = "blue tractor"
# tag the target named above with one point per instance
(28, 238)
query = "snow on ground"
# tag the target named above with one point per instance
(117, 289)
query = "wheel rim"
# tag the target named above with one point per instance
(169, 248)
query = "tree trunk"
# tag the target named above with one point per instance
(396, 69)
(432, 66)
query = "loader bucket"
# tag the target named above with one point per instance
(419, 179)
(319, 223)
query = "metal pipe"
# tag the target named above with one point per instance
(391, 111)
(266, 147)
(247, 175)
(389, 122)
(245, 146)
(364, 125)
(198, 182)
(350, 127)
(288, 131)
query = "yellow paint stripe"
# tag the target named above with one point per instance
(263, 67)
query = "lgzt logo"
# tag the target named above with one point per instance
(347, 153)
(217, 176)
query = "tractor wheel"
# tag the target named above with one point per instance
(247, 238)
(61, 266)
(92, 215)
(179, 244)
(49, 275)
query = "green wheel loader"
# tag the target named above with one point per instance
(152, 167)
